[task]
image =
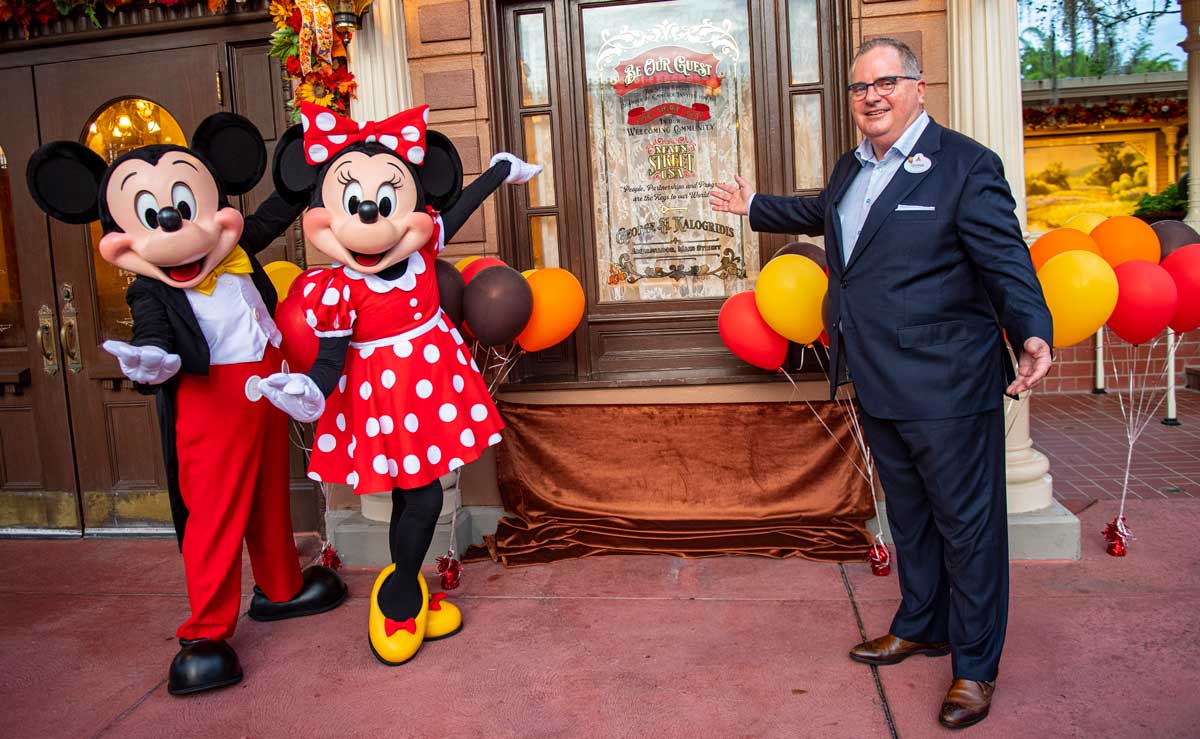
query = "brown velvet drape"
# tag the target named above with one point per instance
(685, 480)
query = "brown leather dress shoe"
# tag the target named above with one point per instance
(967, 703)
(891, 650)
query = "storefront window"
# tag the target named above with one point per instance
(121, 126)
(807, 141)
(12, 328)
(544, 236)
(535, 77)
(670, 113)
(539, 149)
(802, 41)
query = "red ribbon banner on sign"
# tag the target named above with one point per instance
(694, 112)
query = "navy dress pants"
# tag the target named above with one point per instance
(946, 505)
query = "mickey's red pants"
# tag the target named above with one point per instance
(233, 475)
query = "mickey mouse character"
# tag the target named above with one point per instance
(202, 336)
(400, 400)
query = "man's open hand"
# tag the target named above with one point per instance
(732, 199)
(1032, 366)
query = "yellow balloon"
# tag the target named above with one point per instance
(1081, 292)
(528, 272)
(461, 264)
(789, 293)
(1084, 222)
(282, 275)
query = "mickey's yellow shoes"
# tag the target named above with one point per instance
(445, 620)
(396, 642)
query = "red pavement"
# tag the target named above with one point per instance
(627, 646)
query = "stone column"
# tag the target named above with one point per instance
(379, 62)
(1191, 44)
(1030, 487)
(985, 83)
(985, 104)
(1171, 134)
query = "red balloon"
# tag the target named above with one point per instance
(747, 335)
(1183, 264)
(480, 265)
(1146, 301)
(299, 344)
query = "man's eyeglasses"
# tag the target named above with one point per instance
(884, 86)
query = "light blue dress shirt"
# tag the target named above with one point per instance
(874, 177)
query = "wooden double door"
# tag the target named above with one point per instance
(79, 448)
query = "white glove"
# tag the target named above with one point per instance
(519, 171)
(147, 365)
(294, 394)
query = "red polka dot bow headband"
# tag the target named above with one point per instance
(326, 133)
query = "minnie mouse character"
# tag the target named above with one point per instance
(202, 338)
(400, 400)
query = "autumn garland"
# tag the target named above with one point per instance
(313, 55)
(1142, 109)
(312, 52)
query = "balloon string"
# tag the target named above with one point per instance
(506, 366)
(856, 433)
(1140, 410)
(826, 427)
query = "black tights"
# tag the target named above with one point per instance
(415, 513)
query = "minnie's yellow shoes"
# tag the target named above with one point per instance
(445, 620)
(396, 642)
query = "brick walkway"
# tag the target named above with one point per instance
(1084, 437)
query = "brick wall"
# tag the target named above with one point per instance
(1074, 366)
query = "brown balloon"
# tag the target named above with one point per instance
(497, 304)
(450, 289)
(805, 249)
(1174, 234)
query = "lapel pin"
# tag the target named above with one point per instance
(917, 163)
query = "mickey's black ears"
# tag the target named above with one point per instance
(294, 177)
(234, 148)
(64, 180)
(441, 173)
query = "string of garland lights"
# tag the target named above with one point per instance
(1141, 109)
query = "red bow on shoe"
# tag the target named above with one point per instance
(391, 627)
(435, 601)
(326, 133)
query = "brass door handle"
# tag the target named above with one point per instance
(69, 335)
(45, 338)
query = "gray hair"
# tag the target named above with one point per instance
(908, 60)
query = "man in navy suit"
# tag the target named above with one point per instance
(926, 266)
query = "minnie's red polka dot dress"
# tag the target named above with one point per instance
(411, 404)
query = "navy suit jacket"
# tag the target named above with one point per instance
(917, 313)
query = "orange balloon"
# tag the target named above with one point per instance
(558, 304)
(1053, 243)
(1125, 239)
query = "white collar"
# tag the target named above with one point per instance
(405, 282)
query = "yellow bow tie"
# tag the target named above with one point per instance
(237, 262)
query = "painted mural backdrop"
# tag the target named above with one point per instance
(1106, 174)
